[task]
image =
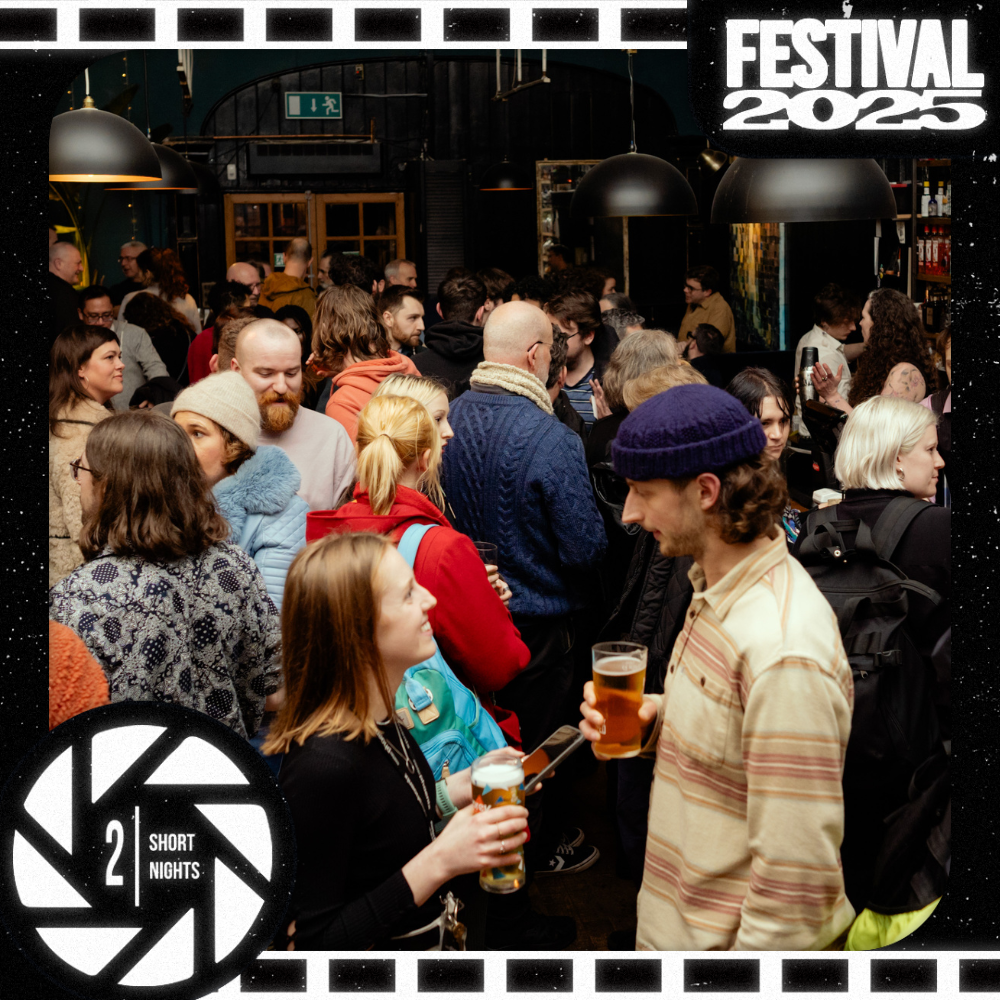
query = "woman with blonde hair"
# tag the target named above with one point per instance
(424, 389)
(888, 451)
(363, 800)
(399, 456)
(350, 345)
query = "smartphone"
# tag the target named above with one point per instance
(543, 761)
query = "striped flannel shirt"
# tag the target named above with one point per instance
(746, 813)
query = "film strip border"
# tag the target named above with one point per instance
(275, 976)
(256, 23)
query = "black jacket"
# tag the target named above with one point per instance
(563, 409)
(707, 367)
(600, 437)
(653, 603)
(63, 303)
(454, 349)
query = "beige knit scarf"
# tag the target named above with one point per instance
(515, 380)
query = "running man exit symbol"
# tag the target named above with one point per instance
(313, 104)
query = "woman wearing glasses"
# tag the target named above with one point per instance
(170, 609)
(85, 374)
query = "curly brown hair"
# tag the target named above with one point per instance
(752, 498)
(897, 335)
(164, 267)
(152, 313)
(153, 499)
(347, 321)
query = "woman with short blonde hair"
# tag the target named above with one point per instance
(878, 434)
(424, 389)
(652, 383)
(362, 797)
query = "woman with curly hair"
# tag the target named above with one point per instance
(162, 274)
(896, 361)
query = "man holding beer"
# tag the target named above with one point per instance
(746, 811)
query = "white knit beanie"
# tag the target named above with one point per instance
(227, 399)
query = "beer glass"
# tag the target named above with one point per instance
(619, 678)
(487, 552)
(499, 782)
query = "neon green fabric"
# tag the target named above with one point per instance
(876, 930)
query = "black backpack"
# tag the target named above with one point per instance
(895, 729)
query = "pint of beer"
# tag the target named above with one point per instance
(619, 677)
(499, 783)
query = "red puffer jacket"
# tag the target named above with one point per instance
(473, 628)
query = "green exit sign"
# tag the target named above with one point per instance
(313, 104)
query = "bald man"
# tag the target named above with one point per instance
(517, 477)
(65, 270)
(291, 286)
(246, 274)
(268, 355)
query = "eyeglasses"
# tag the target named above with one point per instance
(98, 316)
(77, 468)
(120, 259)
(691, 288)
(543, 343)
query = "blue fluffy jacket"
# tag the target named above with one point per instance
(517, 477)
(260, 502)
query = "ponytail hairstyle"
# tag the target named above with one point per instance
(393, 432)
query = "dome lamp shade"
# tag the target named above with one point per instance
(507, 176)
(176, 171)
(632, 184)
(90, 146)
(803, 191)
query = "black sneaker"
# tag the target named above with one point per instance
(572, 837)
(570, 859)
(537, 933)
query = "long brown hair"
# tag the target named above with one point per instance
(329, 612)
(346, 321)
(71, 350)
(152, 312)
(153, 499)
(897, 335)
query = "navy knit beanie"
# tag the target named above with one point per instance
(683, 432)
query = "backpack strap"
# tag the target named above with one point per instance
(893, 522)
(410, 542)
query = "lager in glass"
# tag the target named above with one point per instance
(619, 678)
(499, 783)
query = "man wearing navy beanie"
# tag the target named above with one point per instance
(746, 812)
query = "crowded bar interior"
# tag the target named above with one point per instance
(680, 422)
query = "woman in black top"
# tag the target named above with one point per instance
(362, 797)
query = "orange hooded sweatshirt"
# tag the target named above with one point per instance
(353, 387)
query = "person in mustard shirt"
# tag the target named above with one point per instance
(706, 305)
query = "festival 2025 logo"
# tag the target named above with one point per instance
(841, 78)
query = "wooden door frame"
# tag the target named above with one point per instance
(363, 197)
(316, 217)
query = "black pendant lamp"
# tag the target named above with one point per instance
(633, 183)
(506, 176)
(97, 147)
(803, 191)
(176, 171)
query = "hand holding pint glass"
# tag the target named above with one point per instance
(498, 781)
(614, 713)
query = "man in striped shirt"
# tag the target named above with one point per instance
(578, 315)
(746, 812)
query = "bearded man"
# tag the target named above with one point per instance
(268, 355)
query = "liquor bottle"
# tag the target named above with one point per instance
(948, 213)
(928, 311)
(922, 251)
(942, 199)
(925, 199)
(932, 205)
(936, 251)
(946, 263)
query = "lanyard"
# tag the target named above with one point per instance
(406, 770)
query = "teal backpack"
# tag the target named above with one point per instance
(441, 713)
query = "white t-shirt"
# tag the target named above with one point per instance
(323, 453)
(831, 352)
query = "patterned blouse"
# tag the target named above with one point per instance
(200, 632)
